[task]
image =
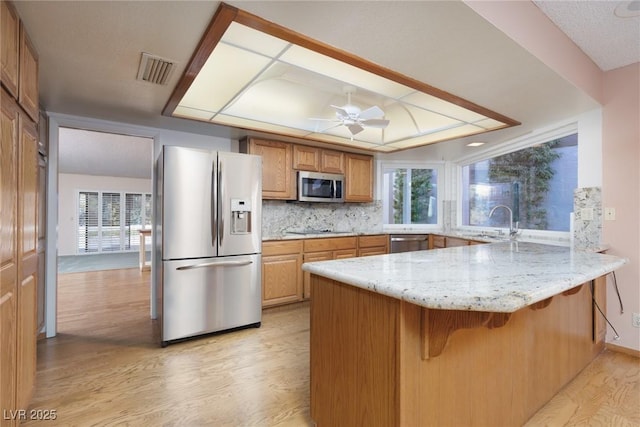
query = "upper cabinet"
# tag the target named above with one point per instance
(10, 48)
(28, 86)
(359, 178)
(19, 60)
(278, 181)
(281, 160)
(317, 159)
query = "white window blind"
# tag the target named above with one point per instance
(88, 240)
(110, 221)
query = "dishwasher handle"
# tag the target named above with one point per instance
(410, 239)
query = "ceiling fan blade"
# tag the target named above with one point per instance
(355, 128)
(341, 111)
(371, 113)
(375, 123)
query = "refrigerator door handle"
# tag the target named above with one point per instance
(214, 213)
(220, 204)
(215, 264)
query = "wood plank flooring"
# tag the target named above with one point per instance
(105, 368)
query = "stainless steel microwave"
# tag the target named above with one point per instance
(320, 187)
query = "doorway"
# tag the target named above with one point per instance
(100, 194)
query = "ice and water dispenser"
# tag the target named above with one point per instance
(240, 216)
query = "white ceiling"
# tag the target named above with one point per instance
(90, 51)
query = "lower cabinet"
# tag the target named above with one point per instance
(283, 280)
(324, 250)
(439, 242)
(281, 272)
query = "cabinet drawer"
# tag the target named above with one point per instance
(281, 247)
(370, 241)
(330, 244)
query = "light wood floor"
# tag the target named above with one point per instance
(104, 368)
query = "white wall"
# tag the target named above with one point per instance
(68, 187)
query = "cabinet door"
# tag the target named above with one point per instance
(306, 158)
(28, 260)
(359, 178)
(281, 279)
(8, 248)
(454, 241)
(278, 181)
(28, 87)
(332, 161)
(9, 48)
(311, 257)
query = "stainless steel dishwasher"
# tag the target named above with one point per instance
(409, 242)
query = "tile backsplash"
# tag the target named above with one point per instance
(278, 217)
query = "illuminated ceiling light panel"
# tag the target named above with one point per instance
(252, 74)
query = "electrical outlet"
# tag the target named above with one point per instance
(635, 320)
(610, 214)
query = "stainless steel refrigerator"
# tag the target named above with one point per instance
(208, 241)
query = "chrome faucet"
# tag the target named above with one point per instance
(513, 228)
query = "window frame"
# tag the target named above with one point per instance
(403, 164)
(506, 148)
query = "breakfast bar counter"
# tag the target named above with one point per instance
(473, 335)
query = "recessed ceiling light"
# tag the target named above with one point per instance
(475, 144)
(252, 74)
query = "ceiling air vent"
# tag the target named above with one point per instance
(154, 69)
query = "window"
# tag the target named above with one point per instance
(110, 221)
(537, 183)
(410, 195)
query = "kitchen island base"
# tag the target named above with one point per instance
(382, 361)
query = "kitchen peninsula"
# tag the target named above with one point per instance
(473, 335)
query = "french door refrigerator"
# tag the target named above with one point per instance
(208, 232)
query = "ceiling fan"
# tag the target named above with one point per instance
(354, 118)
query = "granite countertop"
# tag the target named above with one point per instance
(319, 234)
(500, 277)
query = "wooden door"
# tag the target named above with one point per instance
(359, 178)
(278, 181)
(28, 256)
(281, 279)
(306, 158)
(9, 48)
(332, 161)
(9, 125)
(28, 87)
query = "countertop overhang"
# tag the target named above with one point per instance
(499, 277)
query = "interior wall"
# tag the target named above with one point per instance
(621, 190)
(68, 187)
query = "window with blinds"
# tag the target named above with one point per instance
(110, 221)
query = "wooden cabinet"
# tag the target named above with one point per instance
(359, 178)
(9, 125)
(317, 159)
(278, 179)
(373, 245)
(281, 272)
(20, 217)
(18, 254)
(19, 62)
(326, 249)
(439, 242)
(28, 86)
(10, 48)
(306, 158)
(332, 161)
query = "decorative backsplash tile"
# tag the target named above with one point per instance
(587, 217)
(278, 217)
